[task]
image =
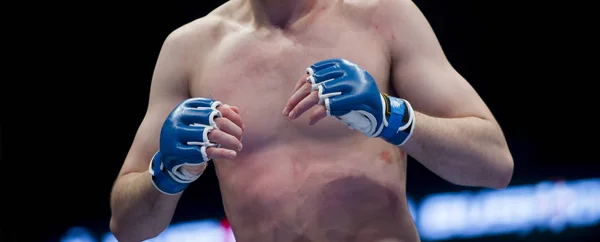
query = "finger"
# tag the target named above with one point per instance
(316, 115)
(226, 140)
(203, 116)
(229, 127)
(220, 153)
(235, 109)
(296, 98)
(306, 103)
(300, 82)
(332, 88)
(227, 112)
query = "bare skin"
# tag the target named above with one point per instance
(302, 176)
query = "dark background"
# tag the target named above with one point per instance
(82, 71)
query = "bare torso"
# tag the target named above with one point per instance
(292, 181)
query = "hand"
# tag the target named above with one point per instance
(346, 91)
(229, 124)
(196, 131)
(339, 86)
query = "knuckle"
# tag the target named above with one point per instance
(210, 152)
(227, 112)
(314, 95)
(225, 124)
(307, 86)
(219, 121)
(214, 134)
(223, 110)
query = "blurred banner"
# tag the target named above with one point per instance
(551, 206)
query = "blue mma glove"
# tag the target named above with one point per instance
(183, 141)
(350, 94)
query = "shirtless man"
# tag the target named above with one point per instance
(291, 77)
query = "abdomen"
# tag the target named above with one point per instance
(317, 190)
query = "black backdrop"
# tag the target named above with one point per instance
(81, 75)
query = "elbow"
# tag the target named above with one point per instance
(503, 172)
(120, 233)
(125, 233)
(115, 229)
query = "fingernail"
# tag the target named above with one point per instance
(231, 154)
(285, 111)
(243, 126)
(292, 113)
(240, 147)
(311, 122)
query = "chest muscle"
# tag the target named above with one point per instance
(258, 76)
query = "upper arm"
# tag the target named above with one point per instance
(169, 87)
(421, 73)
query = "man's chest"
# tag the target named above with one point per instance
(259, 75)
(244, 66)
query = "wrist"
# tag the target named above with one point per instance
(163, 179)
(400, 119)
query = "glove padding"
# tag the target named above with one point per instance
(350, 94)
(183, 141)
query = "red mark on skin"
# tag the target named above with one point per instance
(386, 156)
(401, 153)
(390, 156)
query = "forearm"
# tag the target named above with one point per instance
(139, 210)
(466, 151)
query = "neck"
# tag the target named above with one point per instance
(281, 13)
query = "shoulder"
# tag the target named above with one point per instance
(375, 8)
(204, 32)
(400, 23)
(386, 14)
(191, 42)
(201, 32)
(394, 8)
